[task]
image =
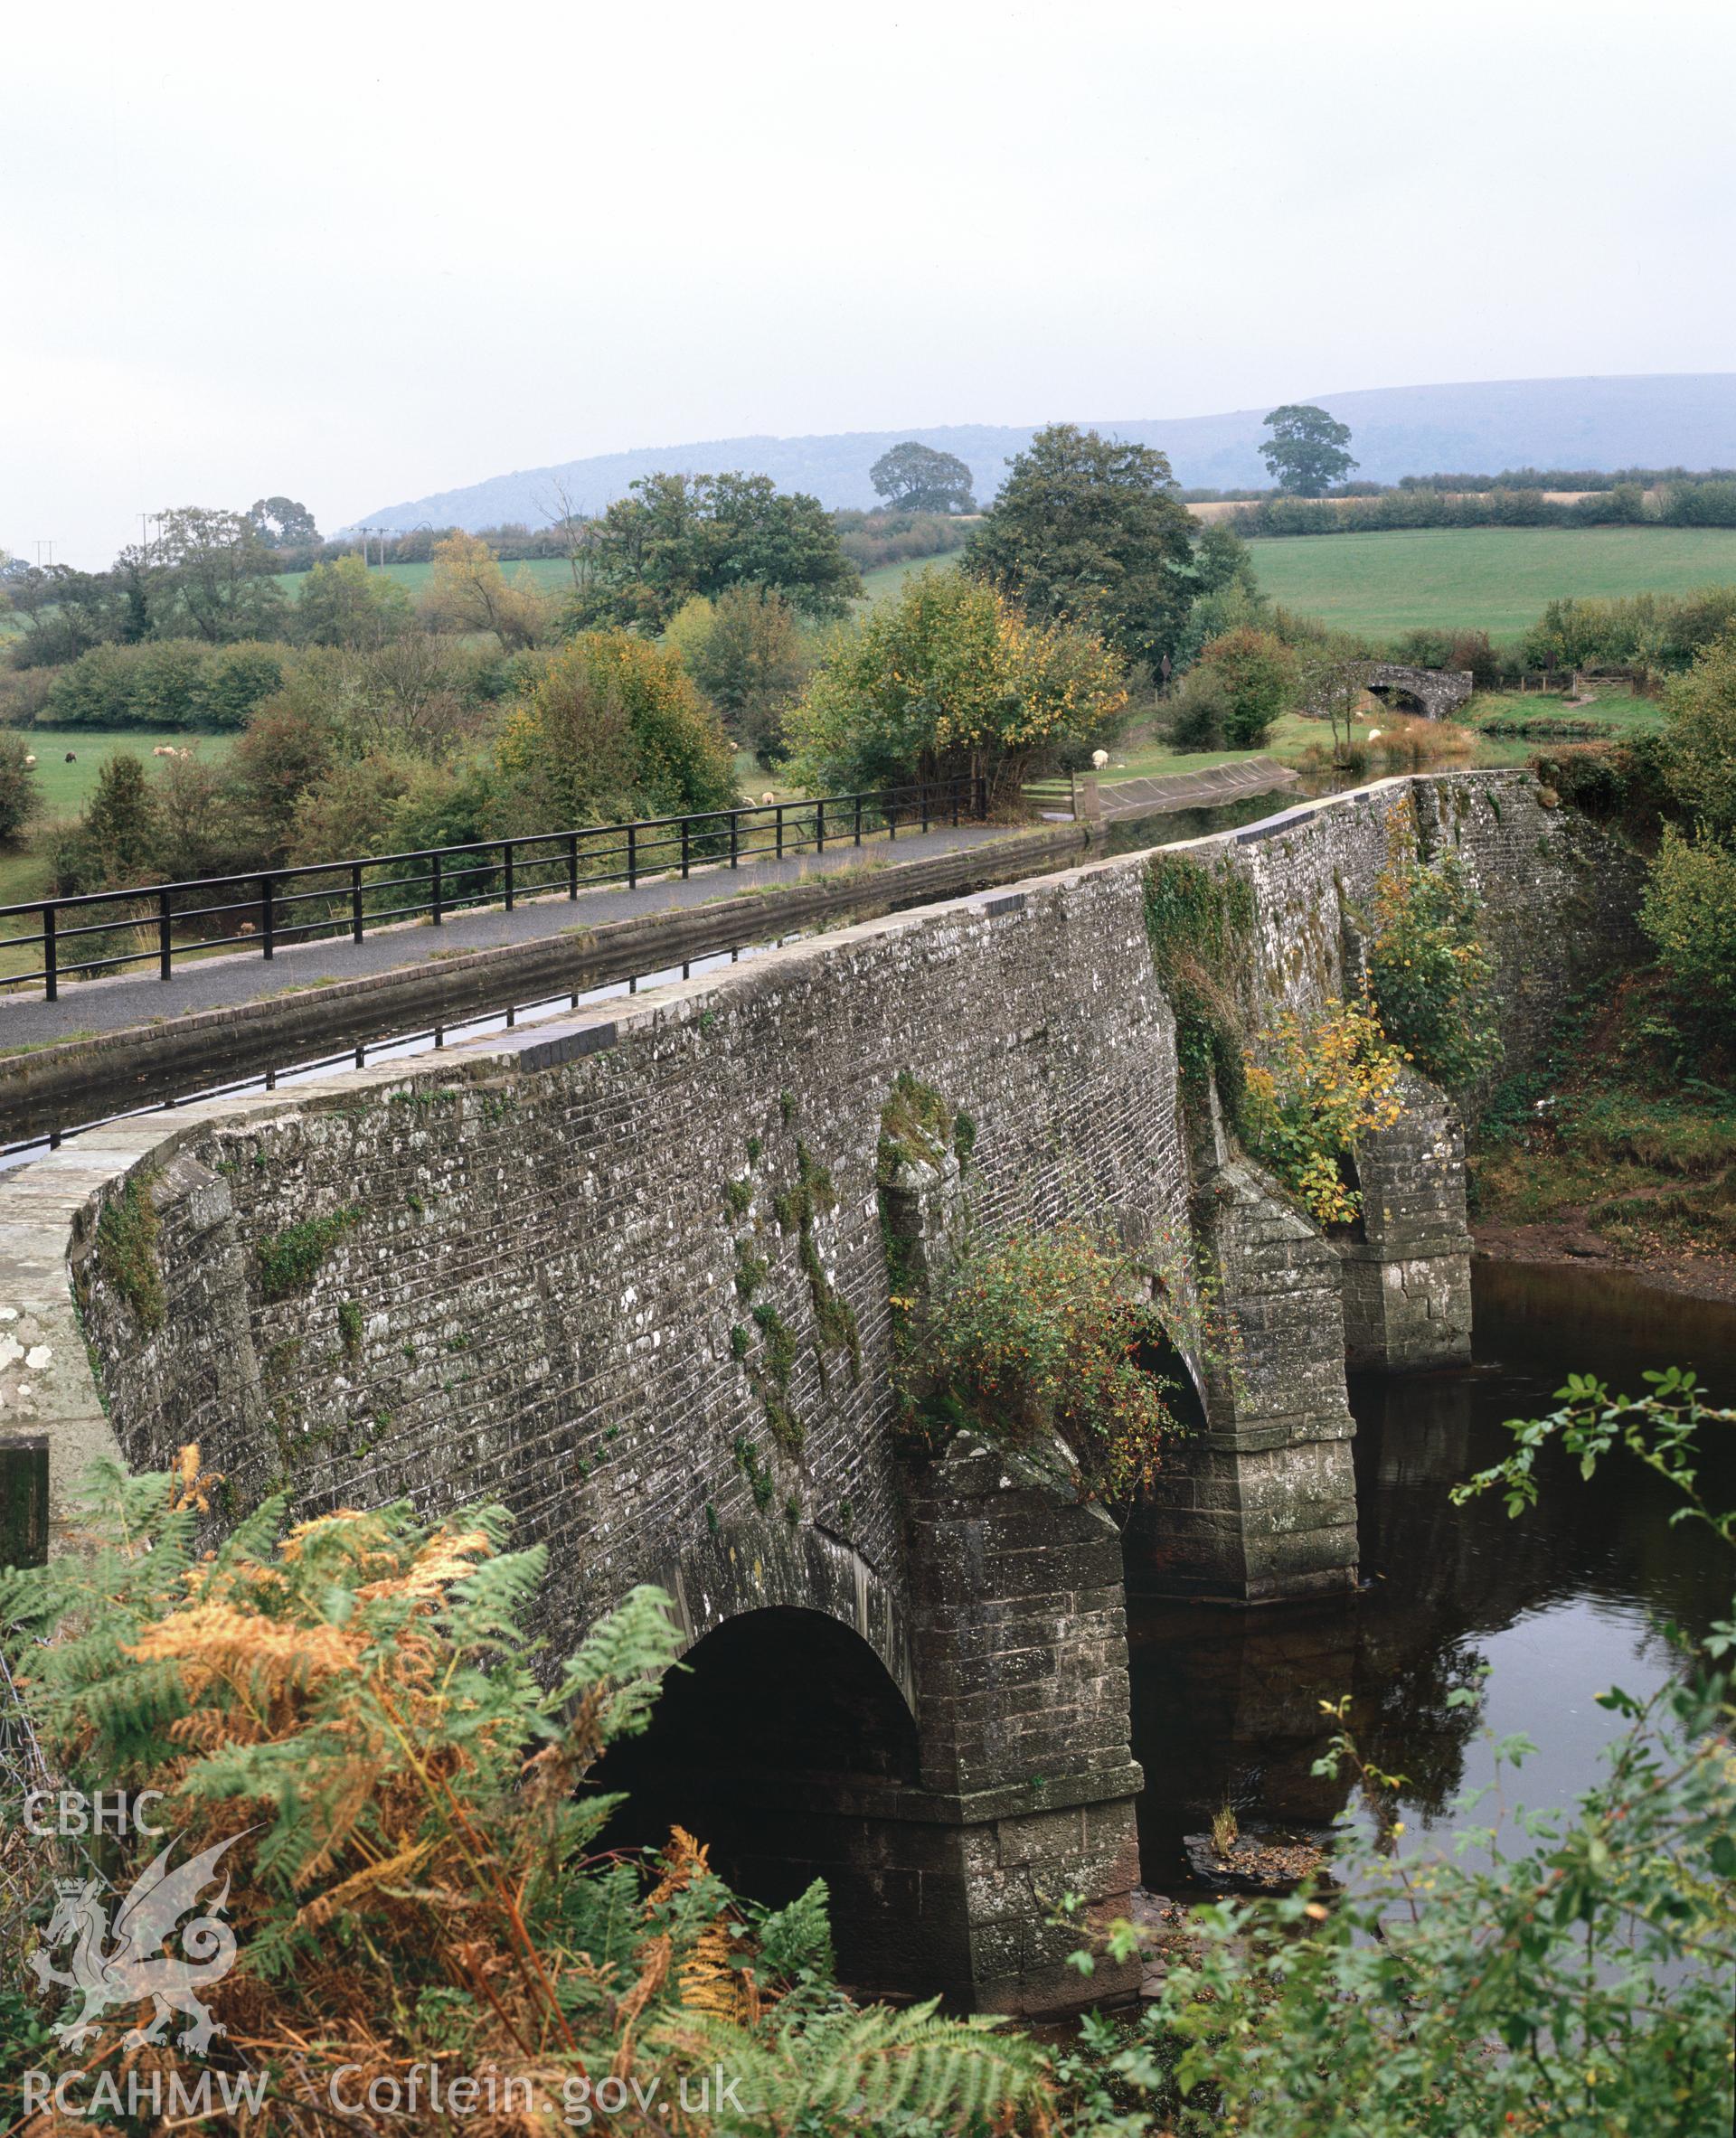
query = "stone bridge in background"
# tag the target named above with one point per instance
(1435, 693)
(630, 1276)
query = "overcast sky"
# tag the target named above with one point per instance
(357, 253)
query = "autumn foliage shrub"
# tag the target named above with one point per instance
(1315, 1086)
(1044, 1333)
(354, 1704)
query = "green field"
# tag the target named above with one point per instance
(66, 788)
(1482, 578)
(553, 574)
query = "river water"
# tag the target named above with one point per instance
(1541, 1614)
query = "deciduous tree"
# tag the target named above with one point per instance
(1306, 450)
(950, 678)
(612, 727)
(1090, 532)
(205, 574)
(469, 591)
(345, 604)
(745, 653)
(918, 478)
(679, 535)
(20, 798)
(283, 523)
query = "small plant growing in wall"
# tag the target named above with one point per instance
(1315, 1087)
(760, 1483)
(1047, 1334)
(127, 1250)
(288, 1261)
(916, 1126)
(350, 1327)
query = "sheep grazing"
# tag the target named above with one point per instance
(162, 750)
(71, 757)
(30, 760)
(767, 799)
(1100, 758)
(246, 929)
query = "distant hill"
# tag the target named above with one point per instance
(1659, 421)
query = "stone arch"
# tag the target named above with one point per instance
(782, 1741)
(1435, 693)
(762, 1563)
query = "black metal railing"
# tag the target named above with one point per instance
(153, 923)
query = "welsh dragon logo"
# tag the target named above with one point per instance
(121, 1962)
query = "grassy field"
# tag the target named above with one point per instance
(1483, 578)
(552, 574)
(889, 577)
(1294, 738)
(66, 788)
(555, 575)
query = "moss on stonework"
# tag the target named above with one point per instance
(289, 1260)
(834, 1315)
(127, 1250)
(916, 1126)
(781, 1342)
(751, 1271)
(349, 1327)
(760, 1478)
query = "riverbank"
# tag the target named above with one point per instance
(1619, 1150)
(1569, 1242)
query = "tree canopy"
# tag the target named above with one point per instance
(1306, 450)
(205, 574)
(1092, 531)
(283, 522)
(345, 604)
(918, 478)
(679, 535)
(744, 651)
(469, 591)
(612, 727)
(947, 678)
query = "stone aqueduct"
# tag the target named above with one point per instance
(564, 1268)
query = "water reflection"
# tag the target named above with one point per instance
(1543, 1613)
(1171, 827)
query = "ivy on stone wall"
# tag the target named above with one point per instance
(1428, 969)
(1200, 923)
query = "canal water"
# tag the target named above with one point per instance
(1539, 1615)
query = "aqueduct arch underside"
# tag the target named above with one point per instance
(629, 1276)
